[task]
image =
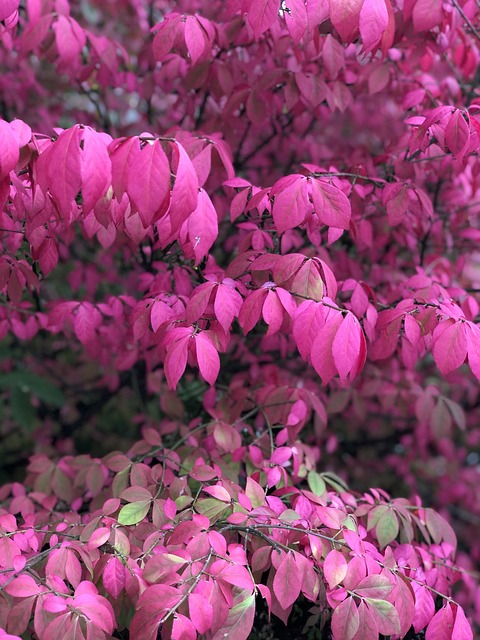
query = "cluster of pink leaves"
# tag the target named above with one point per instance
(167, 535)
(360, 260)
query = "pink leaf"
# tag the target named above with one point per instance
(251, 309)
(7, 7)
(373, 23)
(148, 183)
(261, 15)
(344, 15)
(374, 586)
(367, 627)
(385, 615)
(207, 357)
(23, 586)
(113, 577)
(9, 149)
(457, 134)
(194, 39)
(240, 618)
(348, 347)
(461, 629)
(345, 620)
(296, 19)
(227, 305)
(441, 625)
(450, 346)
(291, 202)
(176, 361)
(185, 189)
(70, 38)
(96, 168)
(202, 225)
(286, 585)
(183, 628)
(427, 14)
(334, 568)
(331, 204)
(321, 353)
(272, 312)
(64, 168)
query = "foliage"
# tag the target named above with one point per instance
(239, 276)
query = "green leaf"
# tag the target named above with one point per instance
(334, 481)
(134, 512)
(212, 508)
(28, 382)
(387, 528)
(316, 483)
(21, 408)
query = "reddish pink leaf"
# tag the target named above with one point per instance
(201, 612)
(272, 312)
(345, 620)
(286, 585)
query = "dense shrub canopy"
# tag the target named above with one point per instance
(238, 289)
